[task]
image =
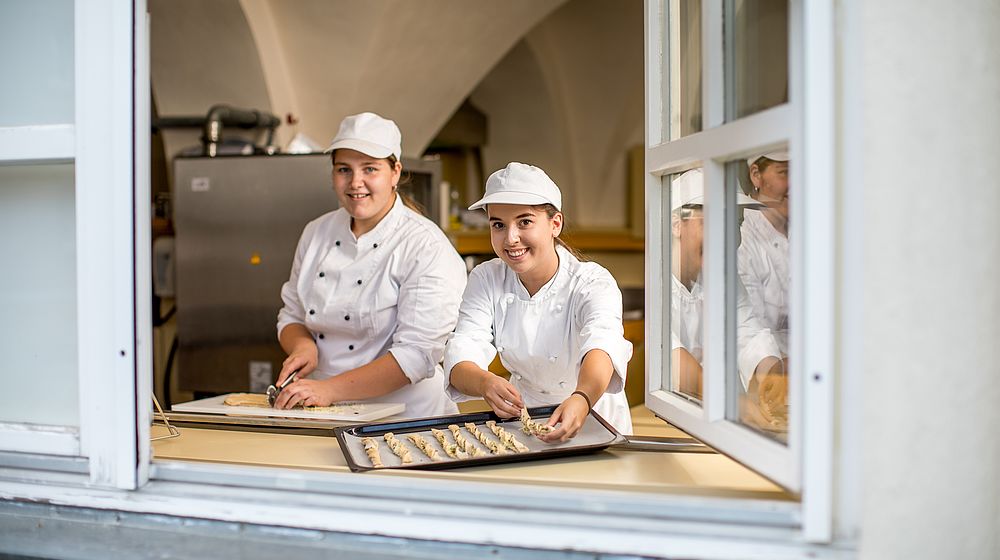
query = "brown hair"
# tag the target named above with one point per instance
(404, 179)
(763, 163)
(550, 211)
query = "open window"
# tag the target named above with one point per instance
(73, 333)
(705, 113)
(738, 237)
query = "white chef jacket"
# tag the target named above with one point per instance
(754, 342)
(396, 288)
(542, 339)
(762, 261)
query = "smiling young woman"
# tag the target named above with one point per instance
(522, 237)
(555, 321)
(365, 186)
(373, 292)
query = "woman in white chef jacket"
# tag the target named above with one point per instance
(763, 254)
(758, 358)
(374, 287)
(555, 321)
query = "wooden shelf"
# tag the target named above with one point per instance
(477, 242)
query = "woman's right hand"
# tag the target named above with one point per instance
(303, 357)
(502, 397)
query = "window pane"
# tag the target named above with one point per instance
(683, 76)
(38, 295)
(36, 62)
(756, 56)
(684, 238)
(757, 295)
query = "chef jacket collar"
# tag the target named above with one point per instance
(758, 221)
(694, 292)
(382, 229)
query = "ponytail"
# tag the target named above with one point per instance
(550, 211)
(404, 180)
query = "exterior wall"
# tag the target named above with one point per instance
(928, 180)
(33, 531)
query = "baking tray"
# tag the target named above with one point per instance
(596, 434)
(352, 411)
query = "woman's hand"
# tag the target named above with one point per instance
(303, 357)
(570, 415)
(772, 397)
(768, 390)
(306, 392)
(765, 404)
(502, 397)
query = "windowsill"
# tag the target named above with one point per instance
(664, 473)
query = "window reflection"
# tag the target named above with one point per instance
(756, 68)
(683, 74)
(687, 223)
(762, 284)
(757, 293)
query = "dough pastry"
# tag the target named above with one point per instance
(247, 399)
(424, 446)
(496, 447)
(464, 444)
(371, 448)
(507, 438)
(398, 448)
(258, 400)
(452, 449)
(531, 427)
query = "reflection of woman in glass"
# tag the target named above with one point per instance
(757, 352)
(762, 259)
(555, 321)
(374, 287)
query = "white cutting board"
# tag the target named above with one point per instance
(352, 412)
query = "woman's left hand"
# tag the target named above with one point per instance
(570, 416)
(306, 392)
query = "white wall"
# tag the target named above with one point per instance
(930, 95)
(320, 60)
(202, 54)
(569, 99)
(414, 62)
(560, 81)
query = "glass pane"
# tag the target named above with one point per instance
(684, 240)
(756, 56)
(36, 62)
(682, 87)
(758, 294)
(38, 295)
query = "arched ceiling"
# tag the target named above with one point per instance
(569, 98)
(201, 54)
(559, 81)
(414, 62)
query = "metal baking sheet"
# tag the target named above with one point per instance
(352, 412)
(596, 434)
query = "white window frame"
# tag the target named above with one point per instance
(407, 506)
(805, 123)
(113, 332)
